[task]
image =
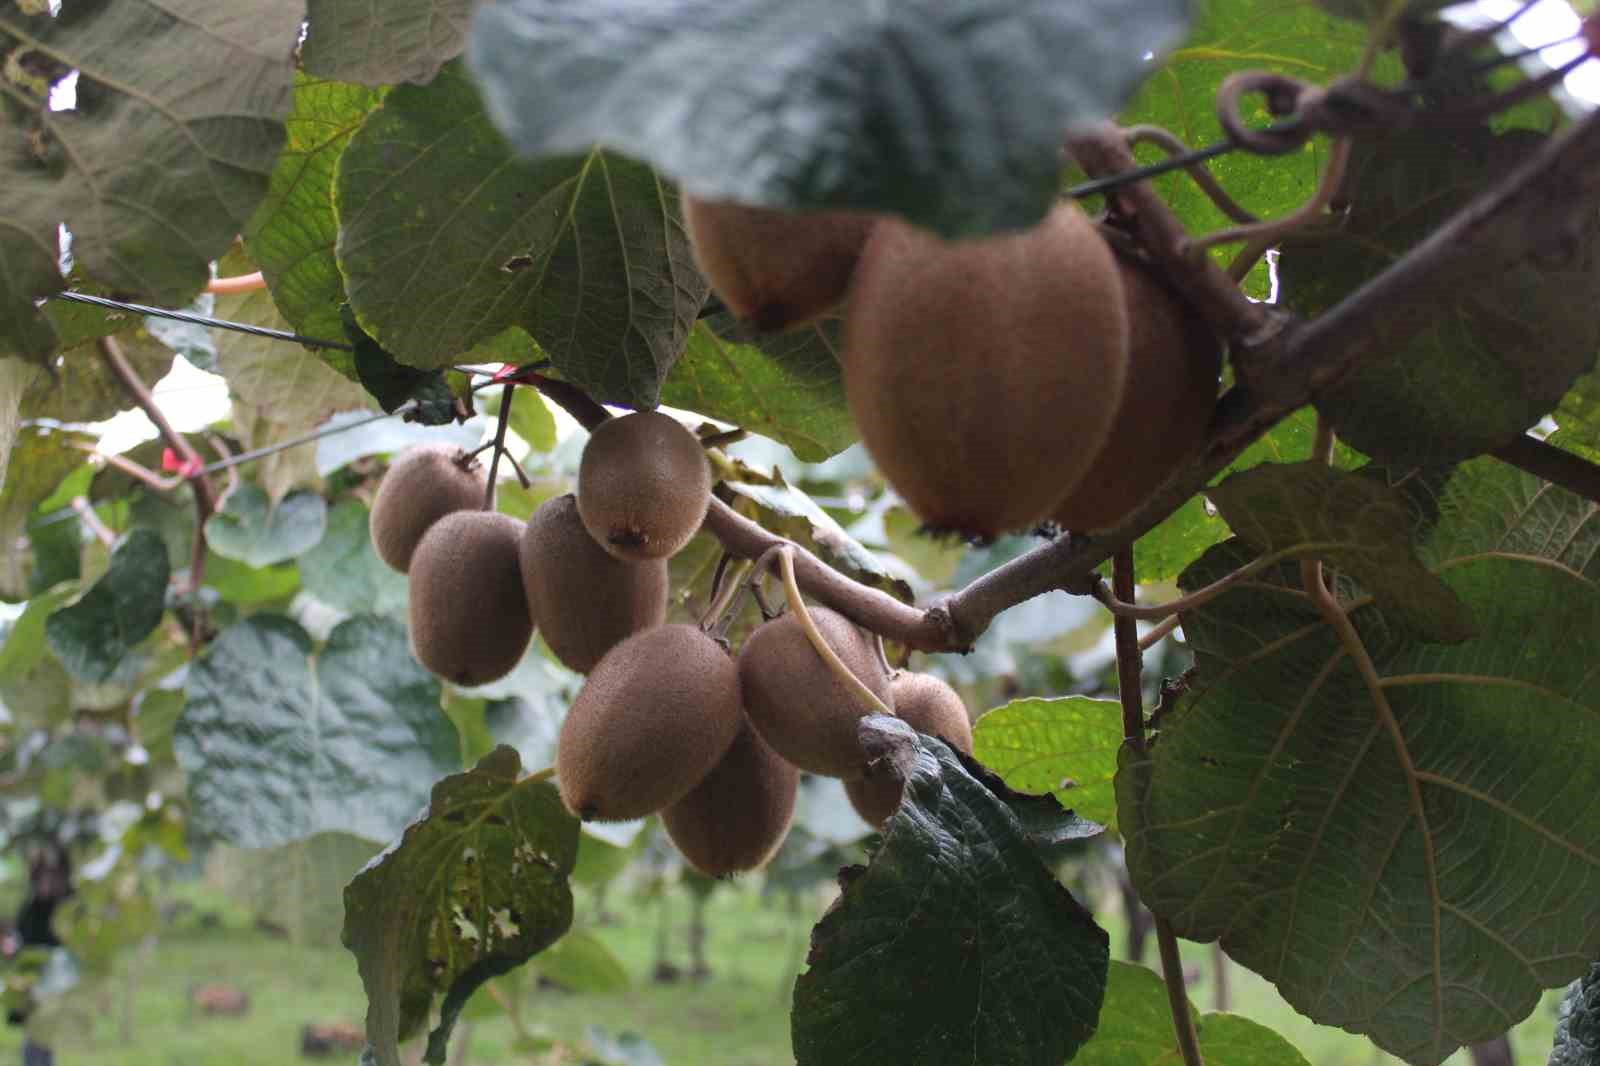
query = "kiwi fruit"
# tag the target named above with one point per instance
(657, 713)
(806, 714)
(984, 374)
(1173, 362)
(735, 819)
(422, 485)
(929, 706)
(470, 622)
(777, 269)
(585, 601)
(643, 485)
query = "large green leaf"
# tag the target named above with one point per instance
(383, 44)
(251, 530)
(1136, 1029)
(34, 686)
(282, 741)
(949, 114)
(955, 944)
(1577, 1040)
(15, 376)
(1417, 860)
(1066, 747)
(93, 636)
(298, 887)
(475, 887)
(782, 385)
(1511, 343)
(292, 233)
(586, 252)
(161, 161)
(581, 962)
(344, 572)
(82, 388)
(40, 458)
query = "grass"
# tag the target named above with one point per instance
(739, 1017)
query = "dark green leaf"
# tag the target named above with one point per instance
(250, 530)
(1321, 828)
(782, 385)
(291, 236)
(1066, 747)
(40, 458)
(344, 572)
(1473, 378)
(950, 115)
(392, 383)
(94, 635)
(955, 944)
(282, 741)
(585, 252)
(581, 962)
(1577, 1041)
(188, 123)
(384, 44)
(475, 887)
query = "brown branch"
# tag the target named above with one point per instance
(1130, 663)
(1553, 465)
(1177, 994)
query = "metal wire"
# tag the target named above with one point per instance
(200, 320)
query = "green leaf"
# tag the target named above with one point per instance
(951, 116)
(1577, 1040)
(158, 165)
(581, 962)
(1066, 747)
(1579, 418)
(15, 377)
(392, 383)
(40, 458)
(384, 44)
(1136, 1029)
(282, 741)
(1322, 828)
(344, 572)
(1472, 378)
(954, 944)
(1356, 524)
(83, 388)
(781, 385)
(585, 252)
(105, 917)
(298, 887)
(93, 636)
(291, 236)
(475, 887)
(250, 530)
(34, 686)
(250, 586)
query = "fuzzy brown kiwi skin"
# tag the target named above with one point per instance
(422, 485)
(777, 269)
(735, 819)
(983, 375)
(585, 601)
(655, 716)
(470, 622)
(929, 706)
(1174, 360)
(795, 701)
(643, 486)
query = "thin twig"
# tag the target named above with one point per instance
(713, 620)
(865, 697)
(237, 284)
(1170, 143)
(91, 521)
(1152, 612)
(1274, 230)
(1177, 995)
(1159, 633)
(499, 445)
(1130, 663)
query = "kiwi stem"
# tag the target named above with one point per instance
(499, 445)
(1173, 145)
(718, 616)
(723, 439)
(539, 775)
(1271, 232)
(1199, 598)
(1159, 633)
(1177, 997)
(867, 699)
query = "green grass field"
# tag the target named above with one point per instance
(739, 1017)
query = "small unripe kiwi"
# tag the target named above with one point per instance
(775, 268)
(643, 485)
(735, 819)
(470, 622)
(656, 714)
(422, 485)
(1174, 359)
(806, 714)
(929, 706)
(984, 374)
(584, 600)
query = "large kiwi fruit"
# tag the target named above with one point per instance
(584, 600)
(422, 485)
(1173, 362)
(806, 714)
(929, 706)
(775, 268)
(984, 374)
(735, 819)
(470, 622)
(657, 713)
(643, 485)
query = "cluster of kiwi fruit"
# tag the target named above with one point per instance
(999, 383)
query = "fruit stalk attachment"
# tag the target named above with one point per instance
(791, 588)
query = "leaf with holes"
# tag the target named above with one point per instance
(93, 636)
(384, 44)
(476, 887)
(282, 740)
(158, 165)
(250, 530)
(1431, 826)
(586, 252)
(1066, 747)
(949, 114)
